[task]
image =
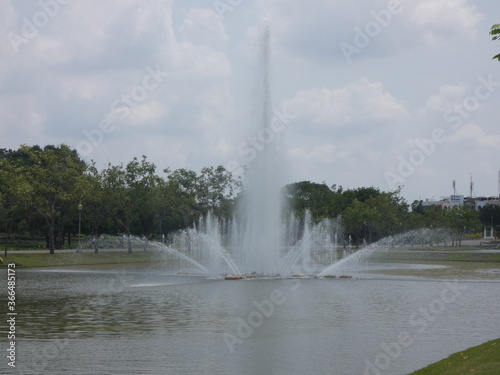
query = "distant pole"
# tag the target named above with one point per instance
(492, 232)
(80, 207)
(471, 186)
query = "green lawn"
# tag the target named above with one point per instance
(87, 258)
(437, 255)
(479, 360)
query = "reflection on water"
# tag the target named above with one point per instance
(140, 321)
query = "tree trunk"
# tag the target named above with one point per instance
(96, 244)
(52, 245)
(129, 243)
(96, 222)
(59, 237)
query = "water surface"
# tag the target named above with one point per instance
(147, 321)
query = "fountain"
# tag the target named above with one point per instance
(216, 247)
(258, 241)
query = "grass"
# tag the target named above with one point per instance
(74, 259)
(479, 360)
(436, 255)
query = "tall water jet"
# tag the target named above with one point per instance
(261, 208)
(259, 239)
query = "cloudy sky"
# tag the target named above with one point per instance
(365, 93)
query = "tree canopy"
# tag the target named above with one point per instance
(41, 190)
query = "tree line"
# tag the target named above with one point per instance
(52, 192)
(45, 191)
(369, 214)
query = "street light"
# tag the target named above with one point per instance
(491, 229)
(79, 226)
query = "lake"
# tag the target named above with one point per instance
(150, 321)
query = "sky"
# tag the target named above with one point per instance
(369, 93)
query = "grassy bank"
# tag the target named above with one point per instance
(480, 360)
(437, 255)
(87, 258)
(45, 259)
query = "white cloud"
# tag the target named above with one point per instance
(447, 96)
(444, 19)
(146, 114)
(473, 136)
(323, 154)
(203, 26)
(352, 120)
(22, 118)
(314, 30)
(358, 102)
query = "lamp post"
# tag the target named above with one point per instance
(80, 207)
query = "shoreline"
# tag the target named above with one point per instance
(463, 264)
(479, 359)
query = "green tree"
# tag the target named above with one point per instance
(417, 206)
(100, 199)
(381, 215)
(15, 217)
(463, 220)
(134, 196)
(186, 183)
(495, 33)
(47, 182)
(217, 190)
(316, 198)
(213, 190)
(358, 219)
(490, 216)
(167, 200)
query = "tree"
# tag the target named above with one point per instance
(134, 195)
(186, 183)
(47, 182)
(490, 215)
(347, 197)
(15, 217)
(167, 198)
(213, 190)
(377, 217)
(417, 207)
(217, 190)
(100, 198)
(495, 32)
(358, 219)
(461, 221)
(316, 198)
